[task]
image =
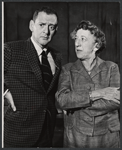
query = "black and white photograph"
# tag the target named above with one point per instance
(61, 74)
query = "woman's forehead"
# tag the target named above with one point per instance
(86, 33)
(83, 32)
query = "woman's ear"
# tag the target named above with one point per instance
(31, 25)
(96, 47)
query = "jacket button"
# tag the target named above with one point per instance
(44, 111)
(88, 87)
(88, 119)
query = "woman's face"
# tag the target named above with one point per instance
(85, 45)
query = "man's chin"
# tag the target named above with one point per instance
(44, 42)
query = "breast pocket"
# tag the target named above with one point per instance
(21, 71)
(22, 77)
(102, 80)
(80, 82)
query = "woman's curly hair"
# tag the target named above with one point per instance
(87, 25)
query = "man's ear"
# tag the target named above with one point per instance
(31, 25)
(55, 30)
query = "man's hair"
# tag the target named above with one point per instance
(47, 10)
(87, 25)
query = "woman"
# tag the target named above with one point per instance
(88, 93)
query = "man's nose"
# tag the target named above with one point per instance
(46, 30)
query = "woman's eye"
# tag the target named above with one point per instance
(83, 39)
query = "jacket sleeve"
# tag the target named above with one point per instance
(67, 98)
(7, 62)
(102, 106)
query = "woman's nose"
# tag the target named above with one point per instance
(77, 42)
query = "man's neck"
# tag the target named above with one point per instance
(42, 46)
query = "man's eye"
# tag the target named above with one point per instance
(52, 28)
(41, 25)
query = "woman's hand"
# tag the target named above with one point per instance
(109, 93)
(115, 96)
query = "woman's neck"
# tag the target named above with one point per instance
(89, 63)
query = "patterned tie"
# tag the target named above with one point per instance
(46, 70)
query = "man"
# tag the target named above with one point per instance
(30, 84)
(88, 93)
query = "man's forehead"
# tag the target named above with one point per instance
(44, 17)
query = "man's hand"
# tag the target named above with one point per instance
(9, 98)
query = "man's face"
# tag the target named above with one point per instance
(85, 46)
(43, 28)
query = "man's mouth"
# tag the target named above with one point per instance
(45, 37)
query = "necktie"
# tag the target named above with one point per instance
(46, 70)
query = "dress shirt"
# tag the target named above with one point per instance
(49, 56)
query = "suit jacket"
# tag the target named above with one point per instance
(23, 77)
(89, 118)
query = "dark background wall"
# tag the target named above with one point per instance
(106, 15)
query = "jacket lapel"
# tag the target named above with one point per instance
(100, 66)
(57, 60)
(79, 67)
(34, 61)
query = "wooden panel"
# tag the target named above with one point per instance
(107, 17)
(104, 14)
